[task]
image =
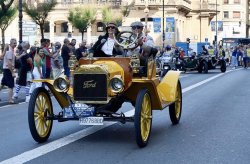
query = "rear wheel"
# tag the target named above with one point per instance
(40, 107)
(175, 109)
(223, 66)
(205, 67)
(143, 117)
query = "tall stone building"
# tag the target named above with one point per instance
(168, 21)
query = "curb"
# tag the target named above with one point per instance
(5, 103)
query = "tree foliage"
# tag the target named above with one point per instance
(39, 12)
(5, 5)
(82, 17)
(109, 15)
(7, 15)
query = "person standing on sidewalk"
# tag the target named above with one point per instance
(234, 62)
(37, 71)
(25, 61)
(8, 69)
(6, 48)
(66, 54)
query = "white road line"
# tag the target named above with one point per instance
(37, 152)
(42, 150)
(203, 82)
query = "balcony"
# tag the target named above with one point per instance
(183, 5)
(66, 4)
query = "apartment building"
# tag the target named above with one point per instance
(168, 21)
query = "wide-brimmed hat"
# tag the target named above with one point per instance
(111, 24)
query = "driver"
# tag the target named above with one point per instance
(106, 45)
(144, 44)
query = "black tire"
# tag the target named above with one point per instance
(143, 117)
(223, 66)
(164, 72)
(200, 67)
(40, 97)
(205, 67)
(175, 109)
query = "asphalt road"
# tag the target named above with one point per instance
(214, 128)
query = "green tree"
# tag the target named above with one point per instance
(109, 16)
(5, 5)
(39, 12)
(6, 16)
(5, 21)
(82, 17)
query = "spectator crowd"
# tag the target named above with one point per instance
(22, 63)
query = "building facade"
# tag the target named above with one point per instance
(168, 21)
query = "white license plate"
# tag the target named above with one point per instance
(91, 121)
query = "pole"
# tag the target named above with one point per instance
(20, 9)
(163, 29)
(216, 30)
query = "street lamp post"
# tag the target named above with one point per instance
(20, 9)
(163, 22)
(216, 30)
(146, 10)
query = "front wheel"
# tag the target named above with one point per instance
(40, 107)
(143, 117)
(175, 109)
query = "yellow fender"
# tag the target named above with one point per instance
(60, 97)
(167, 87)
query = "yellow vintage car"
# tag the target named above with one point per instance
(96, 90)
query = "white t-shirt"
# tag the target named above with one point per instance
(9, 56)
(108, 46)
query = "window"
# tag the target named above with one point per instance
(64, 27)
(46, 27)
(226, 15)
(226, 1)
(100, 27)
(236, 1)
(236, 14)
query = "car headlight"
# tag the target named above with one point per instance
(166, 67)
(116, 84)
(61, 84)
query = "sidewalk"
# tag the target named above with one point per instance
(3, 96)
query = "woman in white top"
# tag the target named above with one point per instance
(105, 45)
(37, 71)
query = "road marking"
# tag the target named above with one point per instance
(203, 82)
(42, 150)
(37, 152)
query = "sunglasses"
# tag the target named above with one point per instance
(111, 27)
(136, 27)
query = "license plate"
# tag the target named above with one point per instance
(91, 121)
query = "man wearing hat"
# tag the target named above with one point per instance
(144, 44)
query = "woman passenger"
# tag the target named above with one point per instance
(105, 45)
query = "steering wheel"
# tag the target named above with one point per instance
(126, 39)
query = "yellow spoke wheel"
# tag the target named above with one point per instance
(175, 109)
(40, 107)
(143, 117)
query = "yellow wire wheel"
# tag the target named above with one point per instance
(40, 107)
(143, 117)
(175, 109)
